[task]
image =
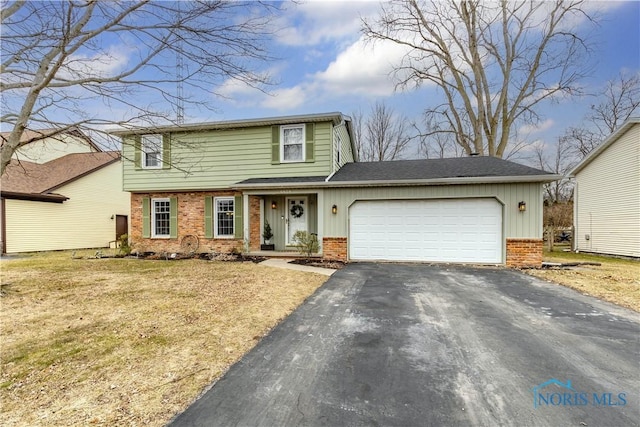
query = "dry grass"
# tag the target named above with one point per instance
(125, 341)
(615, 280)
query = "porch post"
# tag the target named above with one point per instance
(245, 220)
(261, 219)
(320, 216)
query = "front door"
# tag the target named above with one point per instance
(122, 226)
(296, 216)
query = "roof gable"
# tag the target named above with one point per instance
(22, 177)
(626, 126)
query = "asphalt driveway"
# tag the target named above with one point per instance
(422, 345)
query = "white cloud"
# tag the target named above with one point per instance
(314, 22)
(286, 99)
(537, 128)
(100, 65)
(363, 69)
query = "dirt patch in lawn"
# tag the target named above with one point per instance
(314, 262)
(129, 342)
(614, 280)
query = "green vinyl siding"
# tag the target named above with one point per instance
(516, 224)
(346, 154)
(220, 158)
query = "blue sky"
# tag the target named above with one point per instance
(325, 66)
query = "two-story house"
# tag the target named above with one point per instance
(220, 183)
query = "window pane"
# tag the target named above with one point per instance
(293, 136)
(162, 217)
(152, 159)
(293, 152)
(152, 149)
(224, 217)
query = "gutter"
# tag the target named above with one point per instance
(34, 197)
(398, 183)
(335, 117)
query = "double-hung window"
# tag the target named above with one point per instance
(152, 151)
(224, 212)
(292, 143)
(160, 217)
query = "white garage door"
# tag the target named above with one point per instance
(457, 230)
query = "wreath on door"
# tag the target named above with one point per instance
(296, 211)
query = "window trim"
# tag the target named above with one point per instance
(143, 162)
(303, 143)
(215, 217)
(338, 149)
(154, 235)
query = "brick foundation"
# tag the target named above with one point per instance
(190, 221)
(524, 253)
(334, 248)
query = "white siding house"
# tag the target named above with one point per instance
(60, 191)
(607, 195)
(87, 219)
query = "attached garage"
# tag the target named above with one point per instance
(442, 230)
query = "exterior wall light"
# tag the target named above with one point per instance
(334, 209)
(274, 205)
(522, 206)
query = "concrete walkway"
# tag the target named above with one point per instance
(284, 263)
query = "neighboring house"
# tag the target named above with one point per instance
(41, 146)
(60, 200)
(221, 181)
(607, 195)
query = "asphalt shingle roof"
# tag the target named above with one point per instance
(295, 180)
(461, 167)
(32, 178)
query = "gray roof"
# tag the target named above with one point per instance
(431, 169)
(462, 170)
(294, 180)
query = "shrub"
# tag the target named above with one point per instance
(306, 243)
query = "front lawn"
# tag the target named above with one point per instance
(615, 280)
(126, 341)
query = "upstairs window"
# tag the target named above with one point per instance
(292, 143)
(152, 151)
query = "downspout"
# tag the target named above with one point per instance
(3, 219)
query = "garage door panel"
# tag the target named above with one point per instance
(460, 230)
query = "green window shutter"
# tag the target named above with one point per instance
(275, 145)
(208, 217)
(137, 152)
(173, 217)
(146, 217)
(238, 224)
(166, 151)
(309, 141)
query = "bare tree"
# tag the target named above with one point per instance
(357, 125)
(438, 145)
(619, 101)
(60, 58)
(495, 62)
(385, 135)
(559, 162)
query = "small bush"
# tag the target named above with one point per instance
(306, 243)
(125, 247)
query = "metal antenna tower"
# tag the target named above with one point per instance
(179, 76)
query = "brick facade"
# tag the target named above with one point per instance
(255, 237)
(524, 253)
(334, 248)
(190, 221)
